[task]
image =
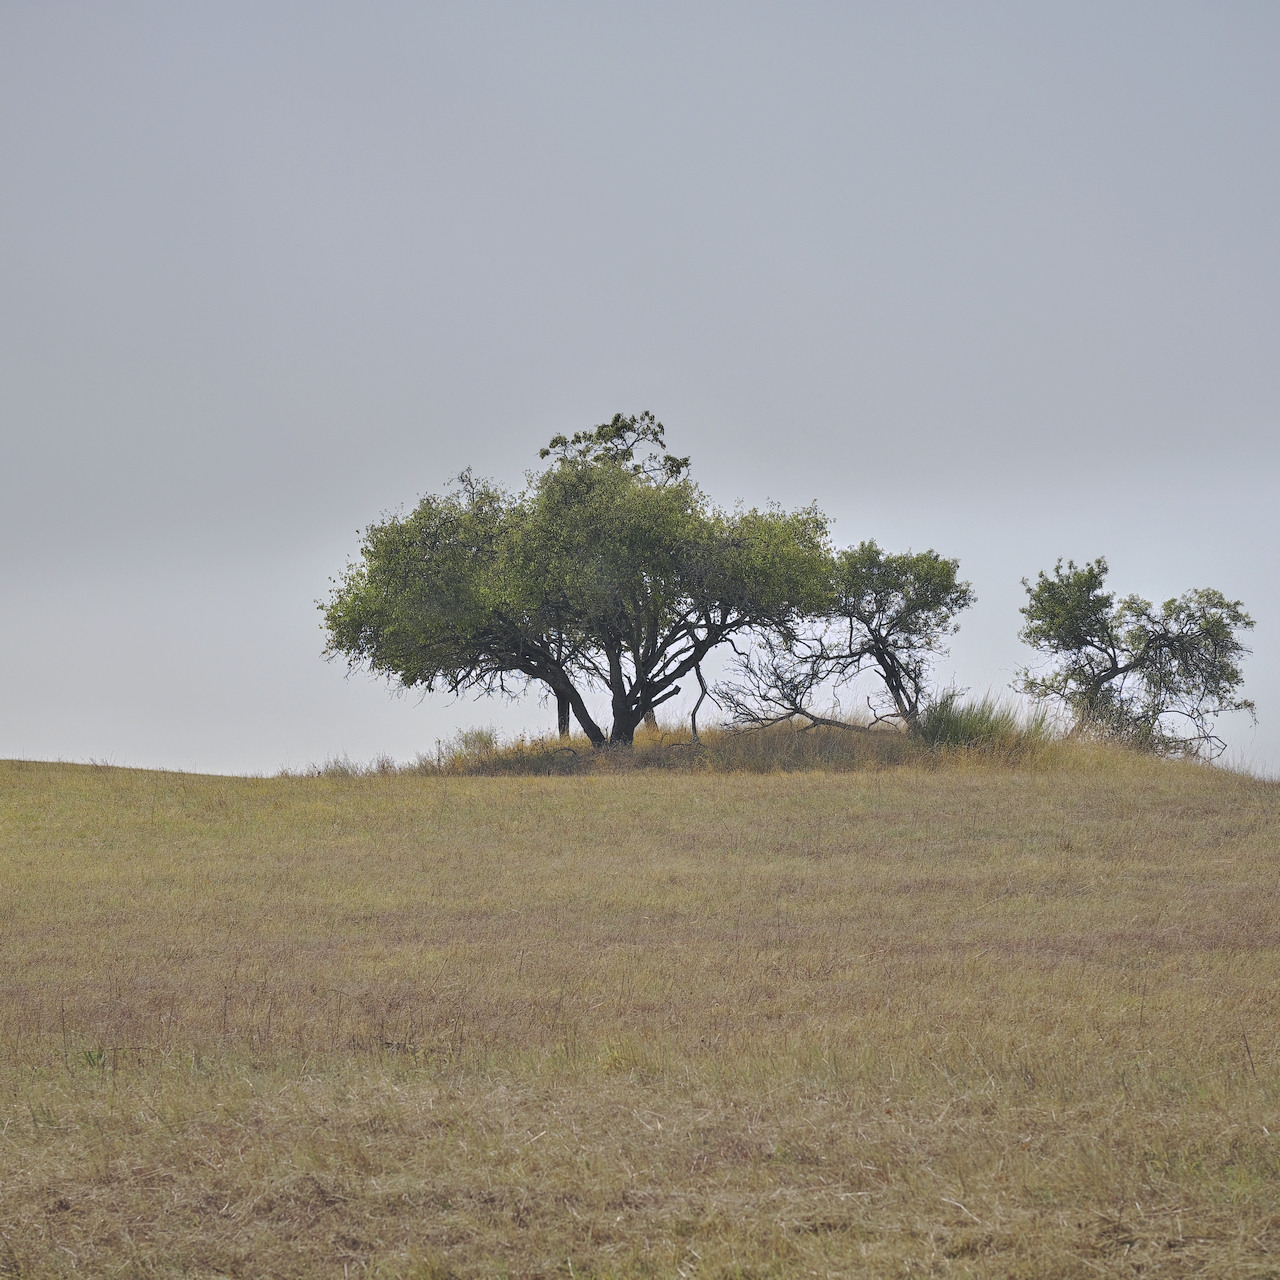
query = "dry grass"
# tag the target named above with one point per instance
(979, 731)
(936, 1019)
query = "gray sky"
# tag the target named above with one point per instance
(1003, 280)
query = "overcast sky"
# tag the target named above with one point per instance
(1002, 280)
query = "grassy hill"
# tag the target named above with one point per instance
(949, 1017)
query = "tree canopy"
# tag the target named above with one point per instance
(1154, 676)
(611, 570)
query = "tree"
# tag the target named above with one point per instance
(611, 571)
(1152, 676)
(891, 613)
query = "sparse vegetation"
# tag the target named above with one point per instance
(933, 1015)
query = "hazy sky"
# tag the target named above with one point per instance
(1002, 280)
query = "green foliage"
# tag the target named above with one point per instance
(439, 600)
(617, 441)
(1152, 676)
(610, 571)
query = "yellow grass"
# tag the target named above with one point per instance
(949, 1019)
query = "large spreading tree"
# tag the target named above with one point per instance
(611, 571)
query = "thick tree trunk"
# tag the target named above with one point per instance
(625, 720)
(622, 734)
(626, 715)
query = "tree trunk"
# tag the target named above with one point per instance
(568, 699)
(589, 726)
(693, 718)
(623, 731)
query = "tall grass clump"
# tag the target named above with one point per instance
(986, 724)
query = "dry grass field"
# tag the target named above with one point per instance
(943, 1018)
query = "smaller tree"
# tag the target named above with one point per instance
(890, 613)
(1155, 677)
